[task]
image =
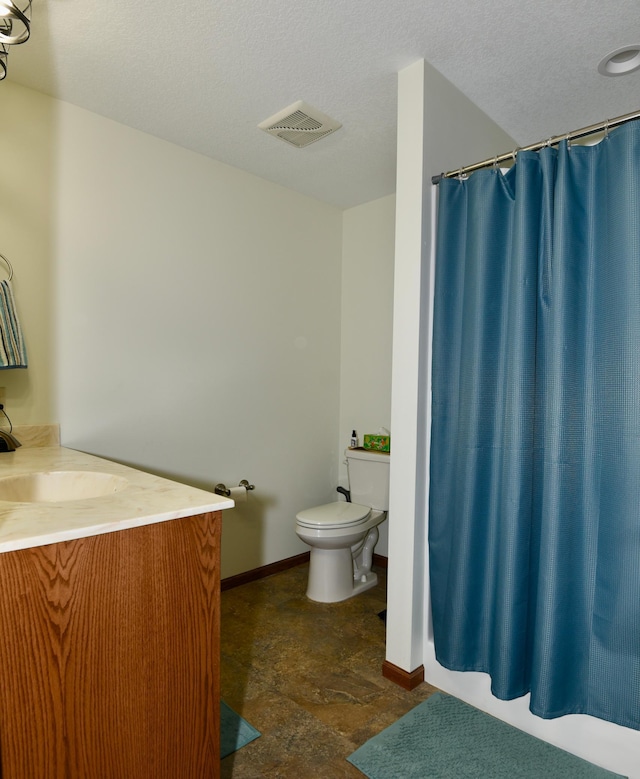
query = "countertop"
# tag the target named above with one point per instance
(146, 499)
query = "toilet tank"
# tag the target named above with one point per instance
(369, 478)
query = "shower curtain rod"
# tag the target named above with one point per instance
(607, 125)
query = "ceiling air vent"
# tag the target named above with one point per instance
(300, 124)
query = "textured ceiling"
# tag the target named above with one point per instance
(203, 74)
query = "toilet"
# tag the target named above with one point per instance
(342, 535)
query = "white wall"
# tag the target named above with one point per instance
(196, 314)
(190, 316)
(27, 136)
(366, 335)
(199, 319)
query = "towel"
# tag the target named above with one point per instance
(12, 349)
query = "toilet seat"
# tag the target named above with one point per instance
(333, 516)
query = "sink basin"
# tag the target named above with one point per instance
(59, 486)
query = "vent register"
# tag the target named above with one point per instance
(300, 124)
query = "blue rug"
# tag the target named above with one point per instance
(235, 732)
(444, 738)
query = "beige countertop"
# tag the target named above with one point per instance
(143, 500)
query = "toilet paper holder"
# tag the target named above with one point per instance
(222, 489)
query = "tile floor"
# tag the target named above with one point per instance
(307, 676)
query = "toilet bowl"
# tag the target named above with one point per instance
(342, 535)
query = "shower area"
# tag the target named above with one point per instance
(522, 595)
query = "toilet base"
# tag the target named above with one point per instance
(365, 582)
(331, 577)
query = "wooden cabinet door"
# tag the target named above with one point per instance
(109, 655)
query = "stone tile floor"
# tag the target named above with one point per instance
(307, 676)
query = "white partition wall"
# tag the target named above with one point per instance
(406, 543)
(438, 129)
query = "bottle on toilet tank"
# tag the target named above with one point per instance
(354, 440)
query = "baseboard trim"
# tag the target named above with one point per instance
(380, 561)
(281, 565)
(265, 570)
(408, 680)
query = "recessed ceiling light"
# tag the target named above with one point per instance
(620, 61)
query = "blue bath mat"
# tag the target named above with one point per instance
(235, 732)
(444, 738)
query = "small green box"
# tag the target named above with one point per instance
(377, 443)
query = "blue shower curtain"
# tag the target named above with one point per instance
(534, 508)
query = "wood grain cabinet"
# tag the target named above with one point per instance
(109, 655)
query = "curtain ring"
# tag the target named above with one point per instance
(567, 138)
(606, 129)
(461, 175)
(495, 162)
(514, 153)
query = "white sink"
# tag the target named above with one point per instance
(59, 486)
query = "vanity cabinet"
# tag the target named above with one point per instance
(109, 655)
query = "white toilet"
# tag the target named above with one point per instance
(342, 535)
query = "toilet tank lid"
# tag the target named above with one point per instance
(335, 514)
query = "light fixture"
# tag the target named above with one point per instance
(15, 28)
(5, 26)
(621, 61)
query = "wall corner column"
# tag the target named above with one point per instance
(407, 551)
